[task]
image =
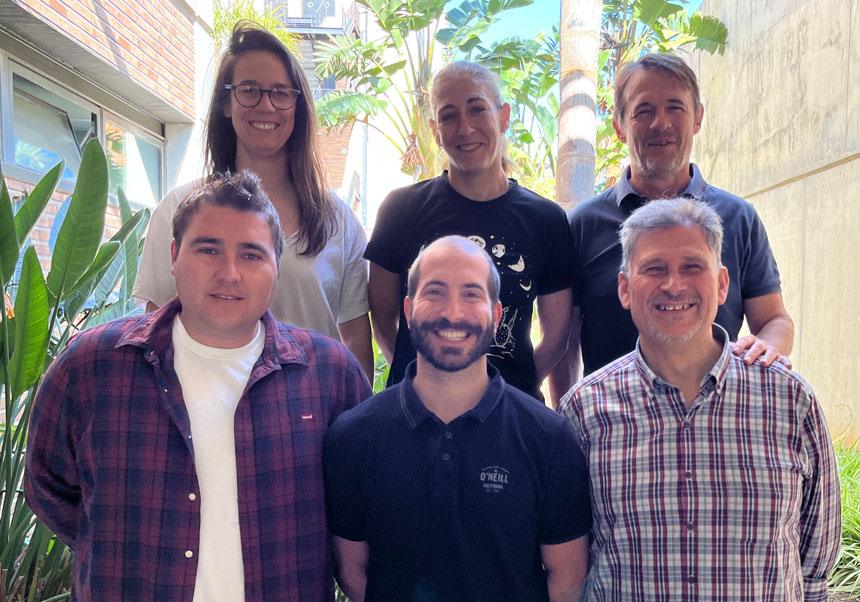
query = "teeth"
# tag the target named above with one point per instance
(264, 126)
(452, 335)
(227, 297)
(469, 147)
(673, 307)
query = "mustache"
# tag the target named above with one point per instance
(443, 324)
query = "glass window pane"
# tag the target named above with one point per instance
(134, 164)
(49, 127)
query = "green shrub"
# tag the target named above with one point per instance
(845, 577)
(90, 281)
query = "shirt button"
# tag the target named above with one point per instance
(192, 496)
(189, 553)
(449, 435)
(688, 474)
(691, 525)
(446, 456)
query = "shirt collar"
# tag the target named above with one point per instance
(416, 412)
(695, 189)
(153, 333)
(716, 375)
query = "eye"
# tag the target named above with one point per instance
(477, 109)
(207, 250)
(248, 90)
(283, 94)
(446, 117)
(643, 112)
(252, 256)
(676, 108)
(655, 270)
(691, 268)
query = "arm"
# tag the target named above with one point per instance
(566, 568)
(819, 522)
(51, 480)
(772, 331)
(150, 307)
(553, 312)
(355, 334)
(351, 567)
(569, 368)
(384, 293)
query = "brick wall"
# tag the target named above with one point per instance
(151, 41)
(41, 232)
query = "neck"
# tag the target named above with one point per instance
(272, 171)
(682, 365)
(661, 187)
(450, 394)
(479, 186)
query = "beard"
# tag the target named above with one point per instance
(450, 358)
(651, 168)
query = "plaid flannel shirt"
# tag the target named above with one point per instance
(734, 498)
(110, 462)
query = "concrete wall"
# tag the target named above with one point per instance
(782, 129)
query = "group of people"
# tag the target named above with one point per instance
(225, 446)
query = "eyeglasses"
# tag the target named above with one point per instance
(250, 95)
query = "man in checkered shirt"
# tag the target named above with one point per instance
(710, 479)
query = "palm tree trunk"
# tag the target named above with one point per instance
(580, 41)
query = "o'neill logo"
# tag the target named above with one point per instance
(494, 479)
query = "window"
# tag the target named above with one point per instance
(48, 127)
(49, 123)
(134, 163)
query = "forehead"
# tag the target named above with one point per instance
(229, 225)
(453, 266)
(655, 86)
(261, 66)
(459, 91)
(672, 243)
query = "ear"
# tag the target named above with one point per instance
(723, 285)
(497, 313)
(436, 133)
(407, 310)
(619, 131)
(697, 124)
(506, 117)
(174, 251)
(624, 290)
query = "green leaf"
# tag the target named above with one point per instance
(79, 236)
(9, 246)
(31, 326)
(106, 254)
(36, 202)
(343, 106)
(648, 11)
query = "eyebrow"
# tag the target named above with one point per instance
(211, 240)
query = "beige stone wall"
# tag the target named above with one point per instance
(782, 128)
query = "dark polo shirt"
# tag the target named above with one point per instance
(608, 331)
(458, 511)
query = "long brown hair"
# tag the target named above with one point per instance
(317, 211)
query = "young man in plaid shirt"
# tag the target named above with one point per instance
(711, 479)
(179, 453)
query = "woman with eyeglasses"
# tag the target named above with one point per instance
(262, 118)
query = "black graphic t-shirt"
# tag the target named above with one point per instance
(526, 235)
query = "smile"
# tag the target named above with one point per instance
(264, 125)
(676, 307)
(452, 335)
(469, 147)
(226, 297)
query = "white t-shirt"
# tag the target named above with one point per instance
(212, 383)
(316, 293)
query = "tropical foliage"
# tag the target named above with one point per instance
(89, 281)
(845, 576)
(389, 77)
(228, 12)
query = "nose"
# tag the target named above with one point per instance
(465, 126)
(266, 101)
(452, 309)
(228, 271)
(673, 284)
(661, 120)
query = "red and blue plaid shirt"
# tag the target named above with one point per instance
(110, 462)
(733, 498)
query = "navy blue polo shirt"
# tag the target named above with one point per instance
(608, 331)
(458, 511)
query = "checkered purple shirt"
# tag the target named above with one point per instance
(735, 498)
(110, 464)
